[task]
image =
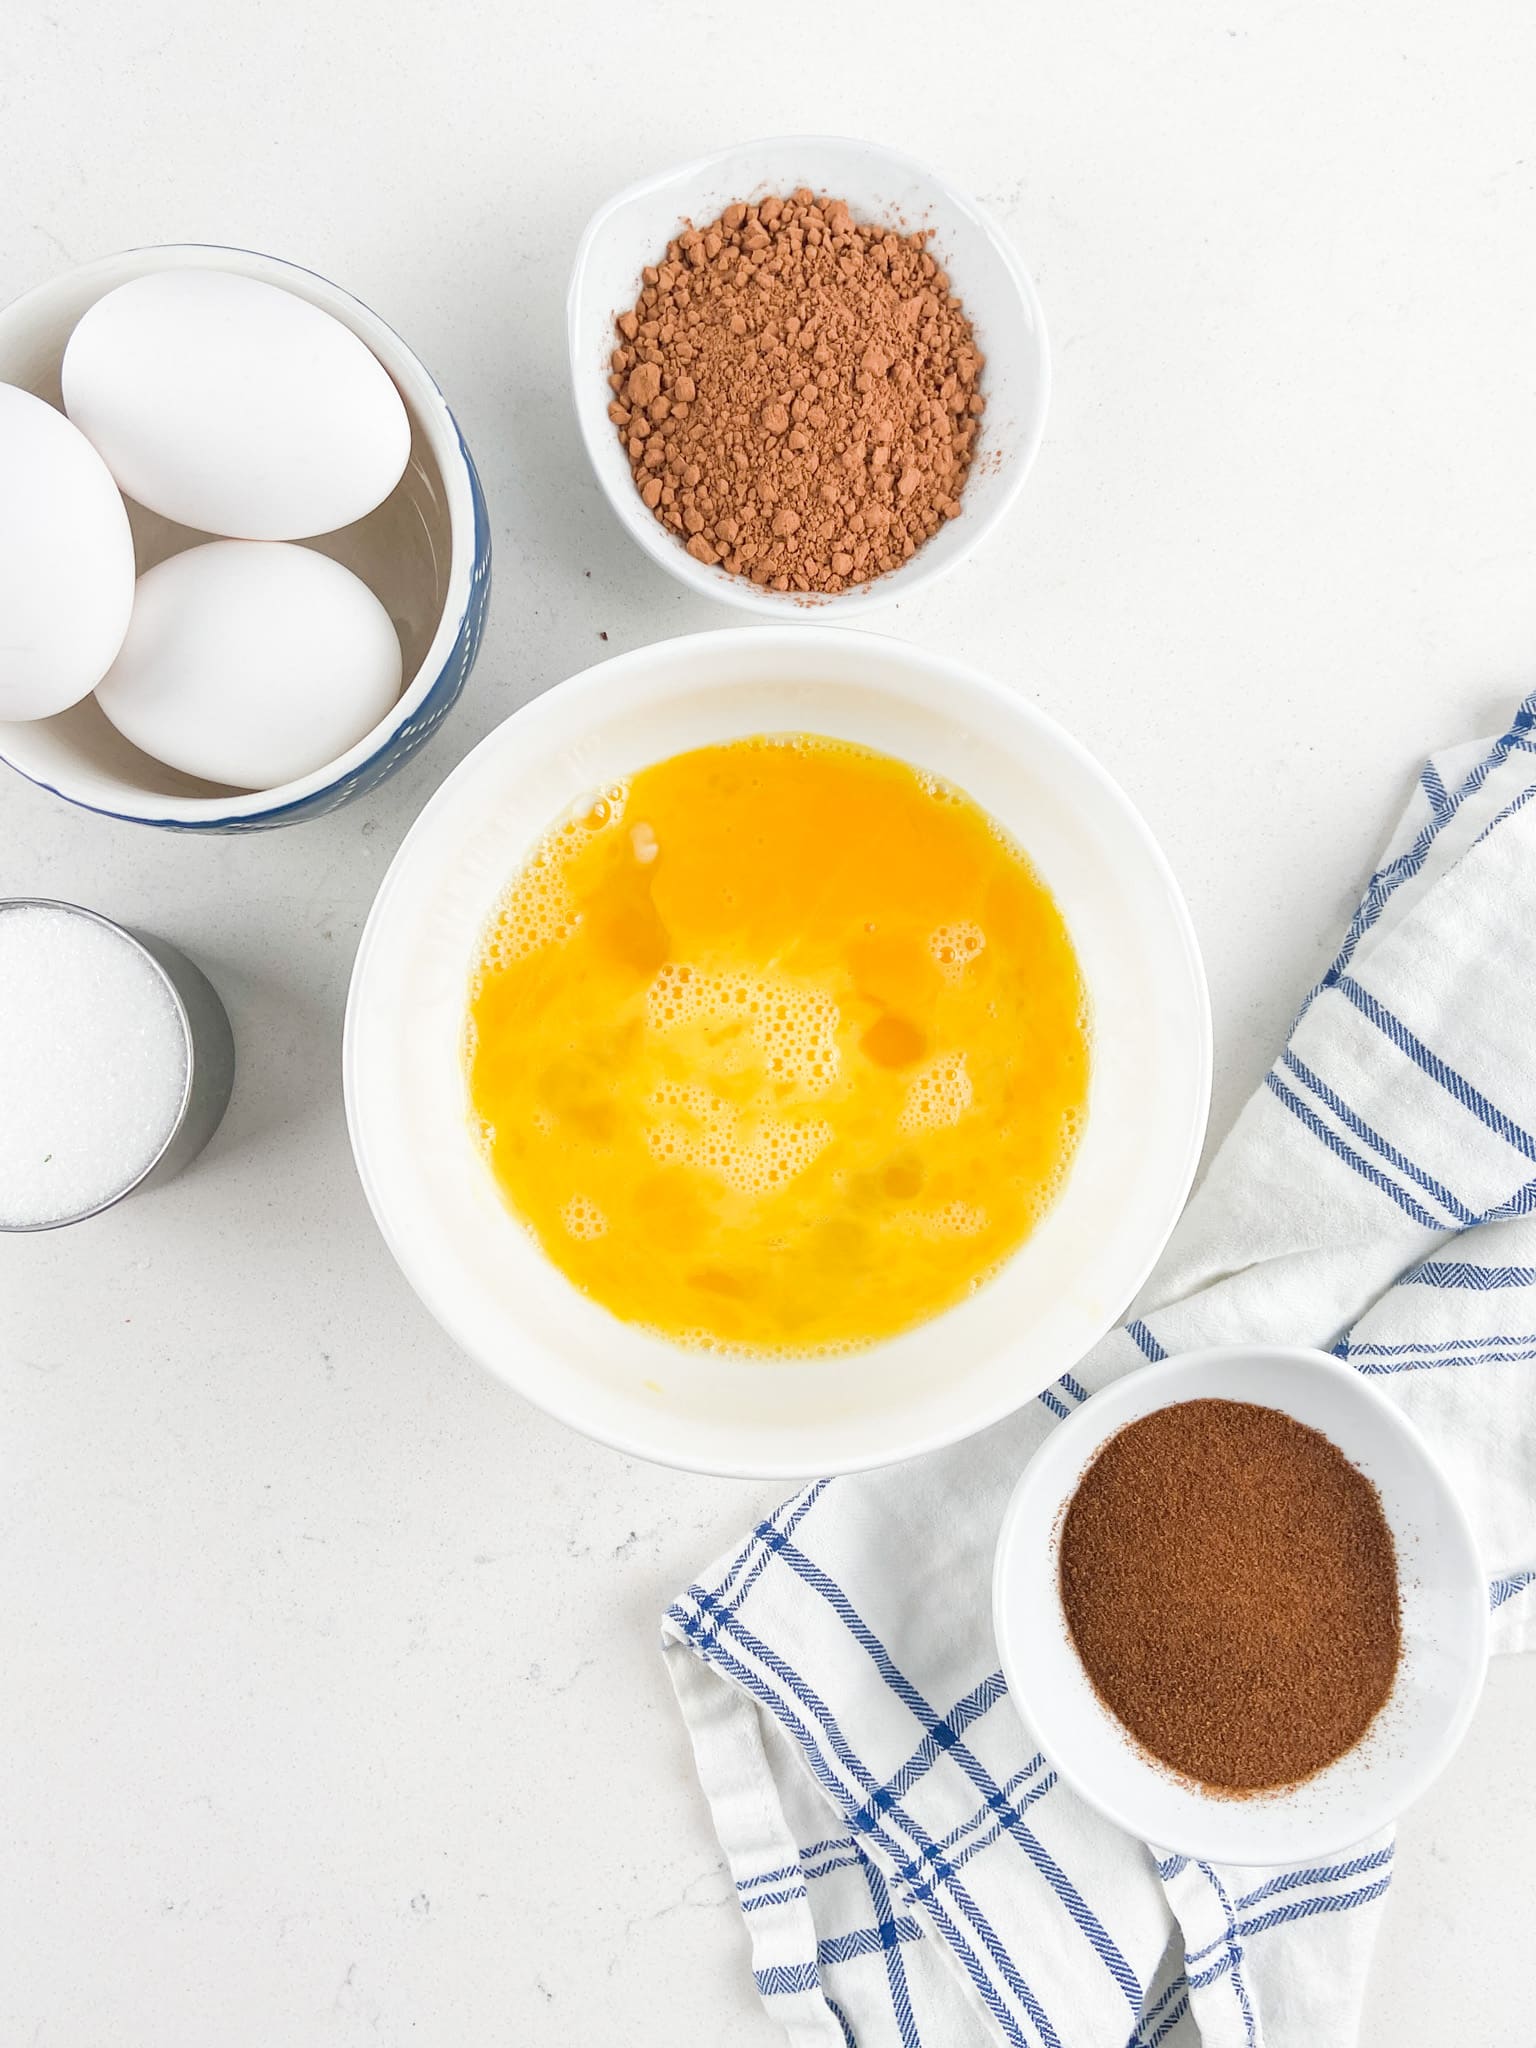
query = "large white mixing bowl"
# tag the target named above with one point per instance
(486, 1280)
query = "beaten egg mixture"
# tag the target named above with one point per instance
(780, 1046)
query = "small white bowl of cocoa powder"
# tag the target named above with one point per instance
(810, 374)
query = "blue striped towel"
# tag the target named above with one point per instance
(909, 1871)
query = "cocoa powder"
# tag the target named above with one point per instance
(798, 393)
(1230, 1584)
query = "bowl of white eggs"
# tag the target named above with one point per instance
(244, 553)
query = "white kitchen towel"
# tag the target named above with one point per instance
(909, 1871)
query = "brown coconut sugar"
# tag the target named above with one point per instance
(1230, 1584)
(798, 393)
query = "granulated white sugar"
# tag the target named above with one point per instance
(93, 1064)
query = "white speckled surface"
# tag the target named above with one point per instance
(332, 1713)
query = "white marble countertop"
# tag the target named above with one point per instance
(332, 1711)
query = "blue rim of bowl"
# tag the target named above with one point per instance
(413, 732)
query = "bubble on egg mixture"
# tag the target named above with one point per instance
(787, 1352)
(1049, 1189)
(938, 1094)
(604, 810)
(758, 1162)
(539, 909)
(935, 786)
(954, 1219)
(583, 1219)
(795, 1029)
(954, 947)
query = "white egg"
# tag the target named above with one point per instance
(235, 407)
(66, 561)
(252, 663)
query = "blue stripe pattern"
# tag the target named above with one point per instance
(756, 1550)
(835, 1781)
(1376, 1367)
(1293, 1880)
(1521, 1347)
(1462, 1273)
(1457, 1086)
(1388, 880)
(944, 1734)
(889, 1933)
(1342, 1150)
(1435, 790)
(1163, 2017)
(1289, 1910)
(1521, 1203)
(1170, 2019)
(1066, 1389)
(1360, 1129)
(706, 1641)
(785, 1979)
(1232, 1961)
(1325, 1902)
(868, 1941)
(1144, 1341)
(808, 1856)
(1077, 1908)
(1511, 809)
(759, 1901)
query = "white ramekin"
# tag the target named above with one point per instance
(1442, 1587)
(633, 229)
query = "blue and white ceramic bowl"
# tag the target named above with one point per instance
(426, 552)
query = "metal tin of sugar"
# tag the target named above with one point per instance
(208, 1051)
